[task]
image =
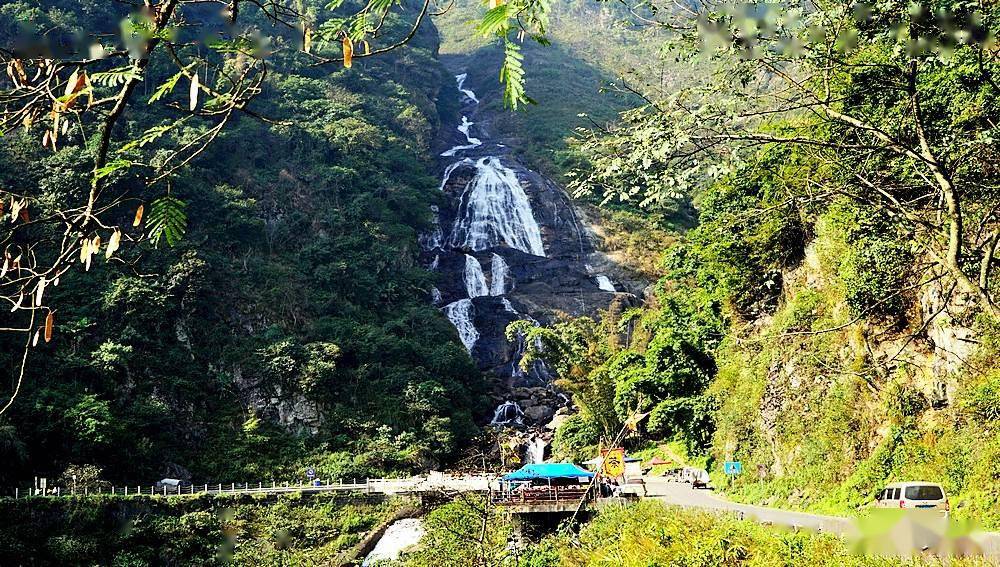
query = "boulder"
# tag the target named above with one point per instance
(539, 414)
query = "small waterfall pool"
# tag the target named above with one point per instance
(401, 535)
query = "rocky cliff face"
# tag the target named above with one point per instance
(509, 245)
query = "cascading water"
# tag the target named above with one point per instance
(475, 279)
(535, 451)
(451, 169)
(604, 283)
(495, 211)
(435, 296)
(460, 79)
(464, 128)
(490, 212)
(435, 237)
(401, 535)
(460, 314)
(507, 413)
(499, 271)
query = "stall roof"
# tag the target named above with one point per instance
(548, 471)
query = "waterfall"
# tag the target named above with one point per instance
(435, 262)
(495, 210)
(451, 168)
(472, 142)
(475, 279)
(605, 284)
(507, 413)
(435, 295)
(460, 314)
(432, 240)
(401, 535)
(499, 270)
(460, 79)
(508, 306)
(535, 452)
(538, 369)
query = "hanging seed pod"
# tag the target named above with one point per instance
(49, 323)
(348, 52)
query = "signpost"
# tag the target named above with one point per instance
(310, 473)
(732, 468)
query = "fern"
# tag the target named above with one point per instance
(167, 220)
(495, 22)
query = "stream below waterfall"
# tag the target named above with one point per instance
(399, 536)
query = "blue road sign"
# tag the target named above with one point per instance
(311, 472)
(732, 467)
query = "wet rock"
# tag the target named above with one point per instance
(539, 414)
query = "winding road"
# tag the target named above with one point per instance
(906, 536)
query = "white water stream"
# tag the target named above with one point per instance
(507, 413)
(535, 452)
(495, 211)
(460, 314)
(472, 142)
(499, 272)
(460, 79)
(604, 283)
(475, 279)
(401, 535)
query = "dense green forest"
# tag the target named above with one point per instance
(297, 280)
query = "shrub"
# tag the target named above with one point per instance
(983, 400)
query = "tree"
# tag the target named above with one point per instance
(890, 103)
(74, 96)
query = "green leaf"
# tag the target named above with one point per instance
(512, 76)
(112, 167)
(167, 220)
(495, 22)
(150, 136)
(115, 77)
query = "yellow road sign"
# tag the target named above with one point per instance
(614, 462)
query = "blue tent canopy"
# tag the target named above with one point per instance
(545, 471)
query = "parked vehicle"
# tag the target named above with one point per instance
(697, 478)
(172, 484)
(913, 495)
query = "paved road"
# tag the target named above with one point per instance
(913, 536)
(681, 494)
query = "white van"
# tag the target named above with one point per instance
(697, 478)
(913, 495)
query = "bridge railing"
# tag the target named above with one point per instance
(430, 483)
(374, 485)
(542, 495)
